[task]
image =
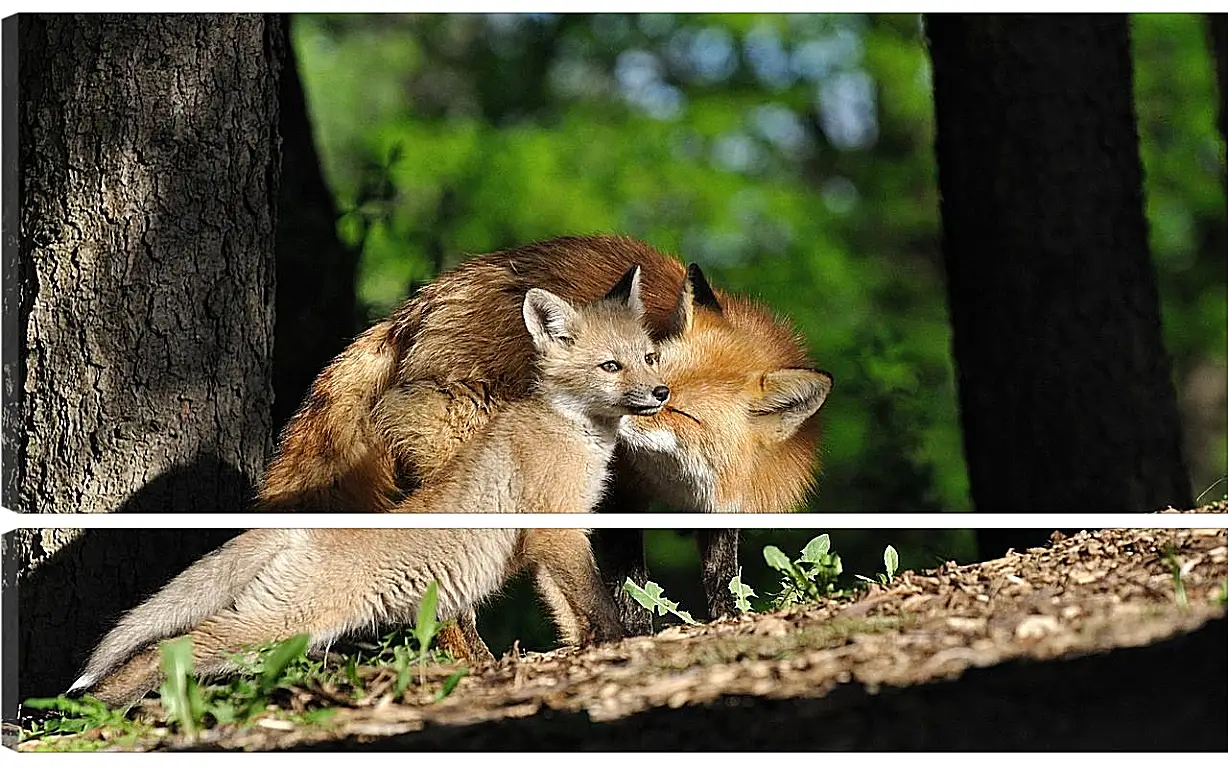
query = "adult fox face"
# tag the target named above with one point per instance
(737, 434)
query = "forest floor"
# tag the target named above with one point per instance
(1104, 640)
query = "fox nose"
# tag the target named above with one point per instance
(661, 393)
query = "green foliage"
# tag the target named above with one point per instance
(791, 155)
(1174, 567)
(262, 673)
(741, 593)
(277, 661)
(812, 576)
(426, 626)
(180, 693)
(652, 597)
(76, 716)
(891, 563)
(450, 683)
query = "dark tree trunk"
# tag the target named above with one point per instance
(1217, 26)
(64, 589)
(315, 272)
(1064, 384)
(139, 337)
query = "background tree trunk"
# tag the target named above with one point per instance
(142, 328)
(1065, 387)
(316, 314)
(1217, 26)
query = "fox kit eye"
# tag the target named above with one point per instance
(651, 358)
(611, 366)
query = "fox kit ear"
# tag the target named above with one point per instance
(790, 396)
(695, 292)
(548, 318)
(627, 290)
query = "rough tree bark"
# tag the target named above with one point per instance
(148, 167)
(315, 271)
(1065, 387)
(138, 378)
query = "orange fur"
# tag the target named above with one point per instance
(346, 447)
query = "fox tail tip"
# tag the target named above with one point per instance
(85, 682)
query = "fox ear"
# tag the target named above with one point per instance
(548, 318)
(695, 292)
(790, 396)
(627, 290)
(704, 295)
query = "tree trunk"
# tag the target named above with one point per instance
(1065, 387)
(148, 162)
(64, 589)
(1217, 26)
(141, 328)
(315, 271)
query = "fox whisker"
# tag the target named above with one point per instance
(682, 412)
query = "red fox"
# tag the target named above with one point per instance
(596, 368)
(737, 435)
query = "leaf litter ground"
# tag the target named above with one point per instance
(1084, 644)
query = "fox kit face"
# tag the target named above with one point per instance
(597, 360)
(737, 434)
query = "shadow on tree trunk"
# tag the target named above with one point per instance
(56, 614)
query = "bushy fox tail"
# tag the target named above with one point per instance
(206, 587)
(330, 456)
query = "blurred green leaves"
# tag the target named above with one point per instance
(791, 155)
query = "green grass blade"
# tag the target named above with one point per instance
(280, 657)
(178, 693)
(450, 684)
(428, 623)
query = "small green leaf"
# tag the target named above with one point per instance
(684, 615)
(351, 673)
(741, 592)
(317, 716)
(652, 597)
(279, 657)
(428, 623)
(86, 705)
(815, 549)
(179, 693)
(224, 711)
(450, 683)
(777, 559)
(400, 656)
(891, 559)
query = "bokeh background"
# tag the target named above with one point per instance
(791, 155)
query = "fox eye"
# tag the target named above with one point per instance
(611, 366)
(650, 358)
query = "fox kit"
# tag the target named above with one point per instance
(548, 453)
(737, 436)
